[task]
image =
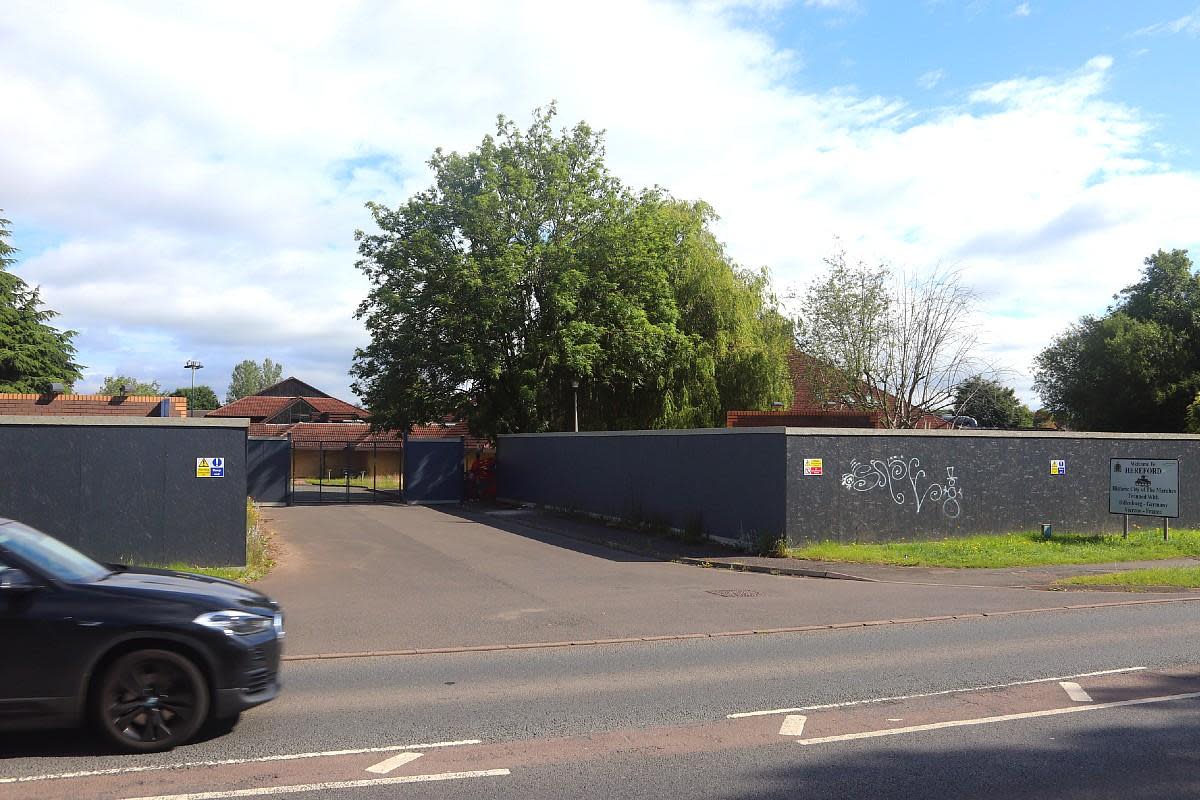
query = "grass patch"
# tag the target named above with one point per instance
(259, 558)
(380, 482)
(1166, 576)
(1024, 549)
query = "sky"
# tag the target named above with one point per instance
(185, 179)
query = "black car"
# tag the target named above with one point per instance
(147, 656)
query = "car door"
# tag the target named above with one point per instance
(40, 664)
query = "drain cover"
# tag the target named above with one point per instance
(733, 592)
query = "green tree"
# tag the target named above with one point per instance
(112, 386)
(527, 267)
(1193, 416)
(202, 398)
(887, 343)
(33, 354)
(991, 403)
(250, 377)
(1137, 367)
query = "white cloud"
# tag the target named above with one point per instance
(1022, 10)
(206, 165)
(929, 80)
(1188, 24)
(836, 5)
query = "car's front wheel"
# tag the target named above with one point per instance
(151, 700)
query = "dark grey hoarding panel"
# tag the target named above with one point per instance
(128, 493)
(928, 485)
(268, 469)
(727, 483)
(433, 470)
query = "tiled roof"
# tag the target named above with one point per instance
(331, 405)
(254, 407)
(267, 429)
(78, 405)
(327, 435)
(314, 433)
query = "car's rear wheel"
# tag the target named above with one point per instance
(151, 700)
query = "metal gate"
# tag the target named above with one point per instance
(346, 472)
(433, 470)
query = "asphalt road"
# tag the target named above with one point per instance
(362, 578)
(651, 719)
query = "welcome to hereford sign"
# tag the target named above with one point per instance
(1144, 486)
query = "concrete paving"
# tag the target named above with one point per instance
(364, 578)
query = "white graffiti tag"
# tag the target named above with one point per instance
(901, 478)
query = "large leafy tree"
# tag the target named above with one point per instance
(202, 398)
(1137, 367)
(527, 268)
(250, 377)
(33, 353)
(991, 403)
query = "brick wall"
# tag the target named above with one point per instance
(78, 405)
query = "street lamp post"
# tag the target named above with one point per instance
(193, 365)
(575, 392)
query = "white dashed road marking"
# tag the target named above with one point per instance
(958, 723)
(793, 725)
(1075, 692)
(775, 711)
(264, 791)
(389, 764)
(91, 773)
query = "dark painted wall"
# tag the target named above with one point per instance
(128, 493)
(433, 470)
(729, 481)
(268, 469)
(1000, 483)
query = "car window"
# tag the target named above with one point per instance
(49, 555)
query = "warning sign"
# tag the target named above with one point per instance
(814, 466)
(1058, 467)
(210, 467)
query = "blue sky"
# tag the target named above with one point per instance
(186, 179)
(928, 52)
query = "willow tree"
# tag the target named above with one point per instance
(527, 268)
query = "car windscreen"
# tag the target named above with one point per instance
(49, 555)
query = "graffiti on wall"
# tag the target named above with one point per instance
(905, 480)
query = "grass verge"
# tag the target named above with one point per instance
(1186, 577)
(1025, 549)
(380, 482)
(259, 553)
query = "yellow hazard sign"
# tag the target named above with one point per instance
(203, 468)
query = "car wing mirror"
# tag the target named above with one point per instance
(17, 581)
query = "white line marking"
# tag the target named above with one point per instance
(226, 761)
(958, 723)
(793, 725)
(776, 711)
(1075, 692)
(389, 764)
(324, 787)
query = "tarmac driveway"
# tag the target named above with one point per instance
(355, 578)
